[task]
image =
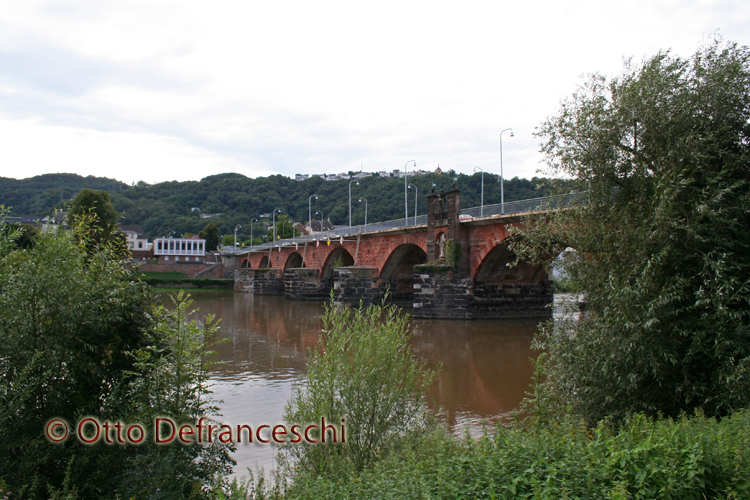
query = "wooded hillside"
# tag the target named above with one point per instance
(165, 207)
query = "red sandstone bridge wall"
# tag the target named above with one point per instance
(374, 251)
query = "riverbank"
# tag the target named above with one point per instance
(178, 280)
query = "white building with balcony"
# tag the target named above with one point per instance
(180, 249)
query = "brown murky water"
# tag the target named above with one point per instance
(486, 365)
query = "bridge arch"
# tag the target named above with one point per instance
(245, 264)
(339, 257)
(294, 261)
(264, 263)
(494, 268)
(398, 270)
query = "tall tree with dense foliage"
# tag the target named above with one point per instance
(81, 338)
(101, 220)
(97, 202)
(660, 239)
(210, 233)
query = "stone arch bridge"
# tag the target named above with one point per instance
(409, 263)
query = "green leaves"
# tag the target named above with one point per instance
(364, 372)
(661, 250)
(78, 341)
(643, 458)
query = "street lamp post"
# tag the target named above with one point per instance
(416, 202)
(309, 209)
(350, 201)
(234, 248)
(502, 192)
(251, 229)
(360, 200)
(481, 209)
(406, 200)
(274, 222)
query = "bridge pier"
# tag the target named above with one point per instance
(304, 284)
(259, 281)
(353, 285)
(513, 300)
(439, 293)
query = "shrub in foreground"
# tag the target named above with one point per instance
(364, 372)
(688, 458)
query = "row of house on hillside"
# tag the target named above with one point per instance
(362, 175)
(46, 223)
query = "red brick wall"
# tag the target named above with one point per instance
(375, 249)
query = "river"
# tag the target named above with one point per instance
(485, 364)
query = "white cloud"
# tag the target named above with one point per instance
(31, 148)
(299, 86)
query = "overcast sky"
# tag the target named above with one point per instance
(176, 90)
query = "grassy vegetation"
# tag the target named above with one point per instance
(562, 285)
(194, 292)
(687, 458)
(154, 275)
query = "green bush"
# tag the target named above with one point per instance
(689, 458)
(453, 253)
(154, 275)
(363, 372)
(81, 338)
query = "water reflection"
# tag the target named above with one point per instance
(485, 365)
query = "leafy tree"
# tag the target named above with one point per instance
(284, 227)
(660, 240)
(72, 319)
(98, 203)
(26, 236)
(94, 207)
(171, 378)
(211, 234)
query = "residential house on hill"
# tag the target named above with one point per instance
(136, 238)
(320, 225)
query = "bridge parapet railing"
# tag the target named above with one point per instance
(524, 206)
(510, 208)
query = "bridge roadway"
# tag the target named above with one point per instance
(408, 260)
